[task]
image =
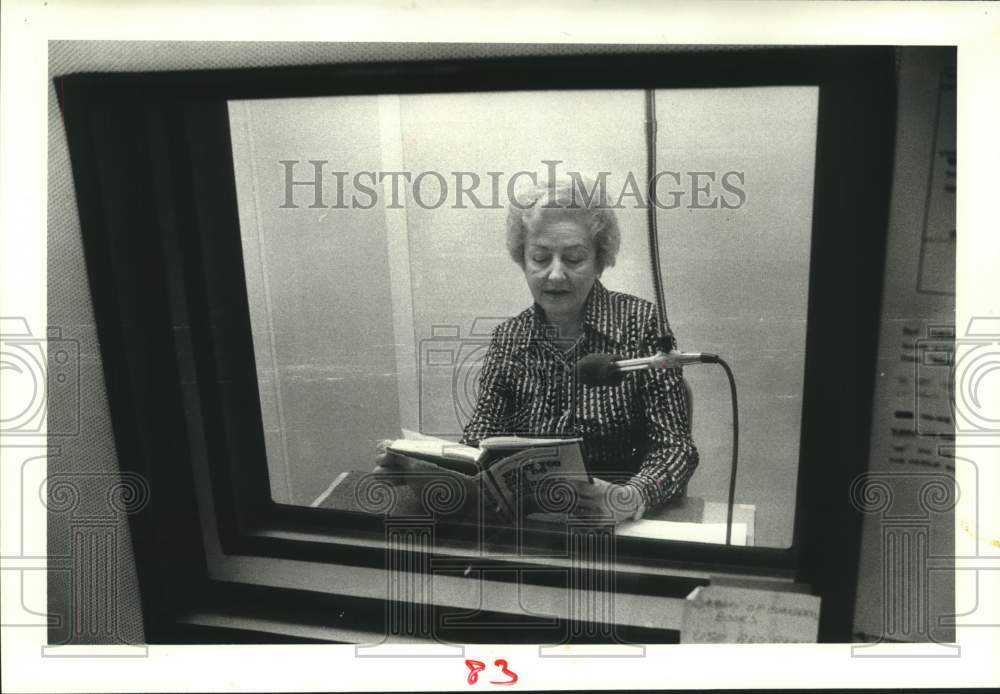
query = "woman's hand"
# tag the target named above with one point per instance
(389, 467)
(607, 500)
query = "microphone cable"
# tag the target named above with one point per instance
(736, 451)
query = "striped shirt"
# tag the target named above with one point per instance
(635, 433)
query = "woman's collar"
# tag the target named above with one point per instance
(598, 315)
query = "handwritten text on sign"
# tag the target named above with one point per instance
(720, 614)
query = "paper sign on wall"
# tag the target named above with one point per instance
(720, 614)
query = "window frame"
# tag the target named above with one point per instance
(152, 163)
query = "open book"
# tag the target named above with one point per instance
(511, 468)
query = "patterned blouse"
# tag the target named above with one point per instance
(636, 432)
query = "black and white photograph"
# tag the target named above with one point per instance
(440, 364)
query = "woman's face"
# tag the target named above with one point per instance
(560, 264)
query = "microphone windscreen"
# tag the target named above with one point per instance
(598, 370)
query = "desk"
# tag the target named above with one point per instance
(342, 495)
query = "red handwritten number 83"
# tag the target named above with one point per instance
(477, 666)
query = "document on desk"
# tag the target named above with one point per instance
(714, 533)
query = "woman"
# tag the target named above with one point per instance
(636, 439)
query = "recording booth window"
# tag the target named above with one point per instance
(429, 276)
(318, 260)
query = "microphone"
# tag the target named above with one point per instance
(605, 370)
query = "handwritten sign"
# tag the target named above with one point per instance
(720, 614)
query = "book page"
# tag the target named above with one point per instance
(435, 449)
(411, 435)
(504, 442)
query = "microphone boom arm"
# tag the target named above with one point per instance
(666, 360)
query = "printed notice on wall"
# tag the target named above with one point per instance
(720, 614)
(921, 397)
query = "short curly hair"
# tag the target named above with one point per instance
(576, 197)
